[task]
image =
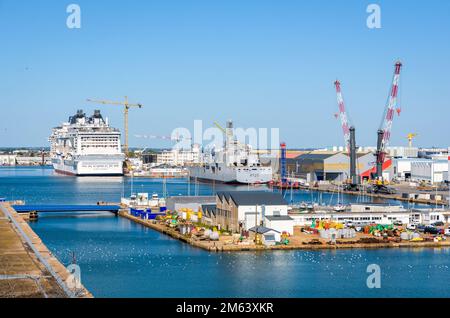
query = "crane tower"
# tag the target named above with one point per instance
(384, 132)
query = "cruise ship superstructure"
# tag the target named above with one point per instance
(86, 146)
(234, 163)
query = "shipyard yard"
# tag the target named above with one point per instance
(88, 235)
(224, 156)
(233, 200)
(305, 239)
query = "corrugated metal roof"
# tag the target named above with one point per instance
(261, 229)
(279, 218)
(209, 208)
(359, 154)
(293, 154)
(252, 197)
(315, 156)
(192, 199)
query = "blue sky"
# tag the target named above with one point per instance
(261, 63)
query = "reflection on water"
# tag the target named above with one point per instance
(96, 180)
(119, 258)
(41, 184)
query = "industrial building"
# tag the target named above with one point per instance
(429, 170)
(328, 165)
(369, 217)
(176, 203)
(237, 211)
(402, 167)
(393, 151)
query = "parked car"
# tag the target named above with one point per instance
(431, 230)
(447, 232)
(411, 227)
(438, 223)
(398, 223)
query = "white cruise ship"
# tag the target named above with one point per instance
(234, 163)
(86, 146)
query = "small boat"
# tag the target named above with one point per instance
(339, 208)
(147, 214)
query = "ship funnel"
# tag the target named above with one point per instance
(230, 124)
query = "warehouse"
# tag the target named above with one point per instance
(238, 211)
(402, 167)
(429, 170)
(327, 165)
(176, 203)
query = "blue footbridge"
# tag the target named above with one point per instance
(66, 208)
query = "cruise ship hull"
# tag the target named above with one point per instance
(250, 175)
(89, 166)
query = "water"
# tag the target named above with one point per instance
(41, 185)
(119, 258)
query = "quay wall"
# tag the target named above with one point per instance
(217, 246)
(28, 248)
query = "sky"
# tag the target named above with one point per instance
(263, 64)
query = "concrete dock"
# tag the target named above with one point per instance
(298, 242)
(27, 267)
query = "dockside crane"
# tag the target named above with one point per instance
(349, 139)
(343, 115)
(126, 106)
(384, 131)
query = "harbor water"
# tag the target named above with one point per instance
(119, 258)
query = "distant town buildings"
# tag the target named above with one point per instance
(7, 160)
(179, 157)
(24, 158)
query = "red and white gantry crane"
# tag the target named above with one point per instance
(384, 131)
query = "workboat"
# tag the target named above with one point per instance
(148, 213)
(140, 205)
(339, 208)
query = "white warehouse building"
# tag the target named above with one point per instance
(429, 170)
(402, 167)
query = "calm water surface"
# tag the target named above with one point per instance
(119, 258)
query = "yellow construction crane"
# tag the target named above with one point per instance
(125, 113)
(410, 137)
(220, 127)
